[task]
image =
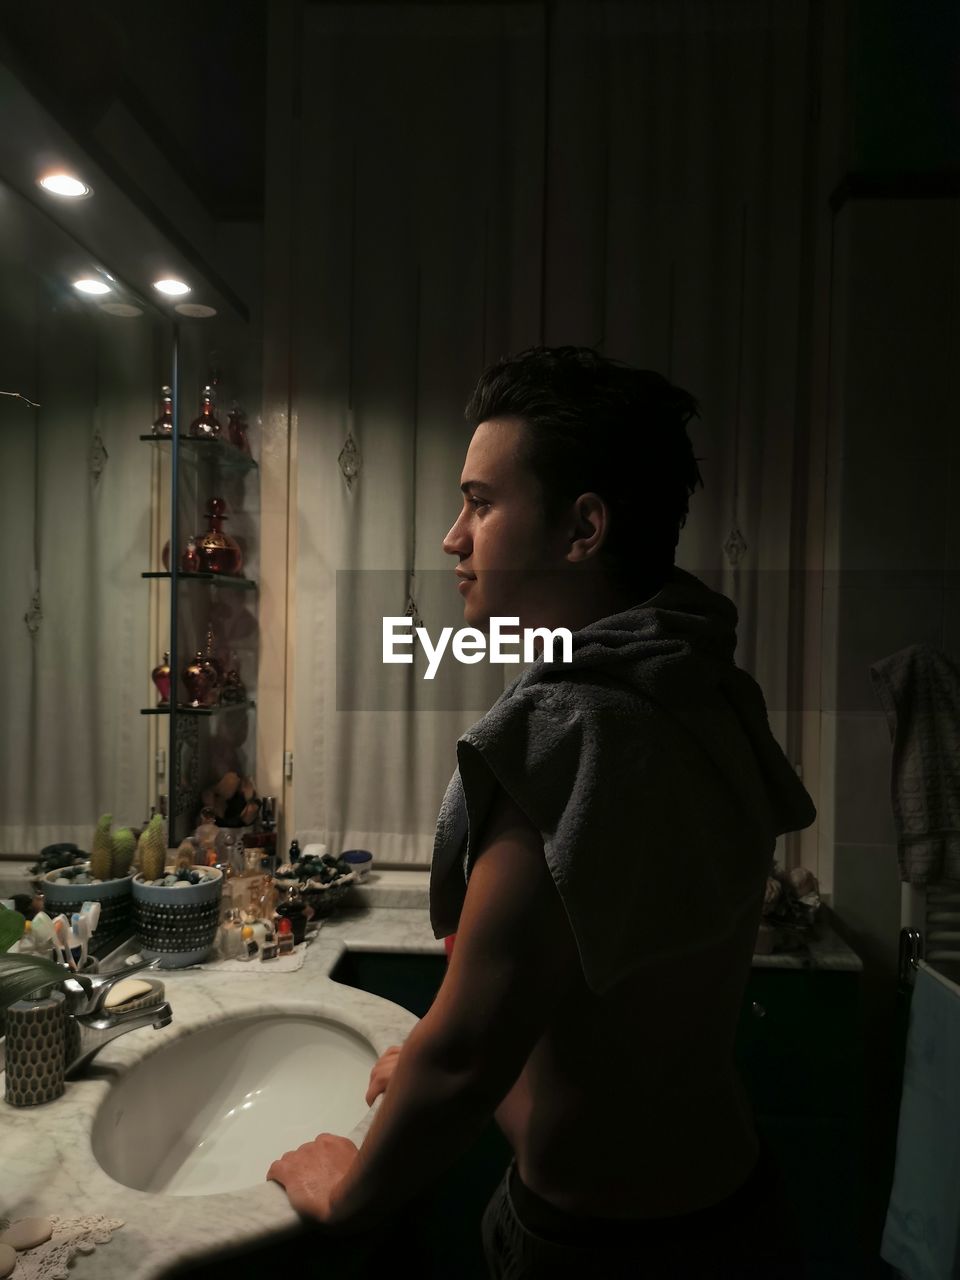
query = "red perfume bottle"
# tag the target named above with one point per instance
(206, 425)
(218, 552)
(163, 426)
(160, 675)
(201, 681)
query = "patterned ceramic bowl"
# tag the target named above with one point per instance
(114, 896)
(177, 924)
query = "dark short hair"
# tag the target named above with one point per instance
(597, 425)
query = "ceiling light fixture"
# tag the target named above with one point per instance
(172, 287)
(64, 184)
(87, 285)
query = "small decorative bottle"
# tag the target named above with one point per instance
(285, 941)
(201, 681)
(190, 560)
(248, 944)
(163, 426)
(238, 854)
(206, 425)
(160, 676)
(228, 939)
(218, 552)
(211, 657)
(292, 911)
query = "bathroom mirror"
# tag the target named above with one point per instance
(80, 374)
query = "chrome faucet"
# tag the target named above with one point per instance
(90, 1026)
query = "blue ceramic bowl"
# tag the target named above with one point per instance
(359, 860)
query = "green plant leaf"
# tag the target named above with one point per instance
(11, 928)
(23, 976)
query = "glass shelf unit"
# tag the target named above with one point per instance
(184, 709)
(218, 579)
(218, 617)
(217, 450)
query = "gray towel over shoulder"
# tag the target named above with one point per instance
(648, 765)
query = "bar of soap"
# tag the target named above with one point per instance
(124, 990)
(8, 1259)
(27, 1233)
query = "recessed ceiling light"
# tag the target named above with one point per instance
(120, 309)
(64, 184)
(172, 287)
(196, 309)
(91, 286)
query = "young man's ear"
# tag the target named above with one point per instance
(588, 527)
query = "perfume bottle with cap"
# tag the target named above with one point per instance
(163, 425)
(206, 425)
(285, 941)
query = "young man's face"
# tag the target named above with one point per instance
(513, 562)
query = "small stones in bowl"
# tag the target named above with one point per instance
(183, 878)
(79, 874)
(316, 872)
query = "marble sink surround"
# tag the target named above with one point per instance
(48, 1163)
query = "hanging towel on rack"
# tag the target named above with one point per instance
(921, 1237)
(919, 689)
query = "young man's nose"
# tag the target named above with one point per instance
(456, 543)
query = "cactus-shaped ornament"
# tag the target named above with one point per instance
(101, 855)
(124, 847)
(152, 849)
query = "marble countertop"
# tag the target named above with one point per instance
(825, 951)
(48, 1165)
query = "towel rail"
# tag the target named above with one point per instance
(911, 953)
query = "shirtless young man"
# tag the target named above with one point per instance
(622, 1106)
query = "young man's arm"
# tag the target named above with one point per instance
(515, 957)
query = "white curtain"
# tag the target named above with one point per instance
(75, 533)
(475, 179)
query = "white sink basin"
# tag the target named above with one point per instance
(210, 1112)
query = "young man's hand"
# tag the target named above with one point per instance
(309, 1174)
(381, 1073)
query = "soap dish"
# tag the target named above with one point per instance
(145, 1001)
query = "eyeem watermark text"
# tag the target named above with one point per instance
(470, 645)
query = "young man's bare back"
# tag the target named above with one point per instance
(628, 1105)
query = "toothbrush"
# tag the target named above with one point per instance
(91, 910)
(61, 930)
(60, 951)
(81, 931)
